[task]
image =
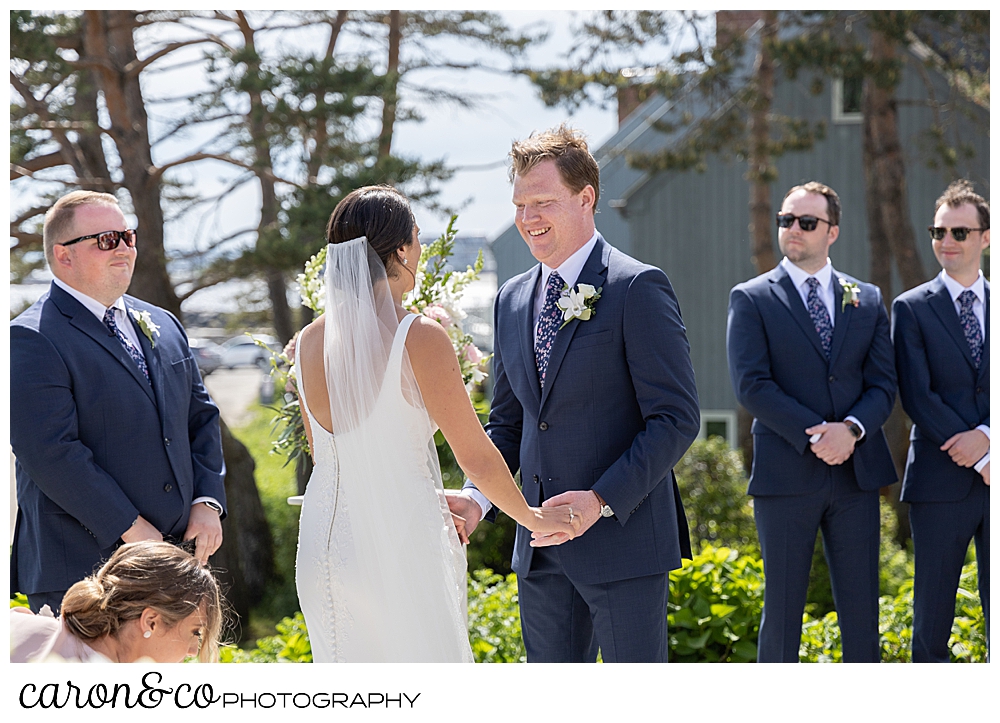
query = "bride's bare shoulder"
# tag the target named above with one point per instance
(310, 339)
(428, 341)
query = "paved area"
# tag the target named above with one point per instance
(234, 390)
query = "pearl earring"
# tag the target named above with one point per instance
(148, 634)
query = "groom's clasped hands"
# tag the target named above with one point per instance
(586, 507)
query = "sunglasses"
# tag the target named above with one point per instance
(108, 240)
(959, 233)
(806, 223)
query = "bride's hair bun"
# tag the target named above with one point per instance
(379, 213)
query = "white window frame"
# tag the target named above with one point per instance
(839, 116)
(720, 415)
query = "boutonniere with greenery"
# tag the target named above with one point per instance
(579, 303)
(145, 322)
(851, 292)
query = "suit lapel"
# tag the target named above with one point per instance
(85, 321)
(944, 306)
(842, 314)
(153, 362)
(524, 306)
(594, 272)
(788, 295)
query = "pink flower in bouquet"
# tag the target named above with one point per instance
(472, 354)
(439, 314)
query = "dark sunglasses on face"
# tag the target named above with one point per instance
(959, 233)
(108, 240)
(806, 223)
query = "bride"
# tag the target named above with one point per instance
(381, 571)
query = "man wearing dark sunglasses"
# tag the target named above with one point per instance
(940, 331)
(810, 357)
(115, 437)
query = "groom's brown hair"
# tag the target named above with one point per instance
(568, 148)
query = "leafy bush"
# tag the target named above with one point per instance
(289, 645)
(713, 485)
(19, 601)
(821, 636)
(495, 618)
(713, 614)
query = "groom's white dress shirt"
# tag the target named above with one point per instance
(569, 270)
(979, 289)
(124, 323)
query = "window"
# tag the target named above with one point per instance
(847, 100)
(718, 423)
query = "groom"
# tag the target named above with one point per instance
(595, 409)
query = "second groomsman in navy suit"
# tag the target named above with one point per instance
(810, 357)
(941, 334)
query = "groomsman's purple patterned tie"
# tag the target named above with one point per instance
(549, 321)
(970, 325)
(819, 314)
(136, 354)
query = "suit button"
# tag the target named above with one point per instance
(166, 441)
(979, 390)
(167, 487)
(543, 426)
(833, 378)
(535, 477)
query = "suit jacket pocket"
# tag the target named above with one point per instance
(601, 337)
(182, 364)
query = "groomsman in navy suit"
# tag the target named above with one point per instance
(115, 437)
(940, 331)
(811, 358)
(594, 403)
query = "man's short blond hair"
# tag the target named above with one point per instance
(59, 218)
(568, 148)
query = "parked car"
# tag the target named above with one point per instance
(243, 351)
(206, 353)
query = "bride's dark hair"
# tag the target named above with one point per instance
(379, 213)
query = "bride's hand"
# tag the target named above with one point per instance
(549, 520)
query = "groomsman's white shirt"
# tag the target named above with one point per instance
(827, 294)
(569, 270)
(978, 308)
(124, 323)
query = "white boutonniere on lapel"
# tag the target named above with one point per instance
(851, 292)
(578, 303)
(145, 322)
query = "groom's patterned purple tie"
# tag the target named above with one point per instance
(970, 325)
(136, 354)
(819, 314)
(548, 324)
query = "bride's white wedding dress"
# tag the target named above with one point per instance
(380, 571)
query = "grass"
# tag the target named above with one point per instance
(275, 483)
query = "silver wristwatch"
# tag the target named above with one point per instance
(212, 505)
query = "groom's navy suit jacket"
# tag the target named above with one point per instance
(618, 410)
(96, 444)
(940, 388)
(782, 377)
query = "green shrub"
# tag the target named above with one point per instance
(713, 614)
(713, 486)
(821, 636)
(495, 618)
(290, 644)
(19, 601)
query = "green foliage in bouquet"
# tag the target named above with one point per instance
(713, 614)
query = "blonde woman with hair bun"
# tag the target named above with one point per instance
(152, 601)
